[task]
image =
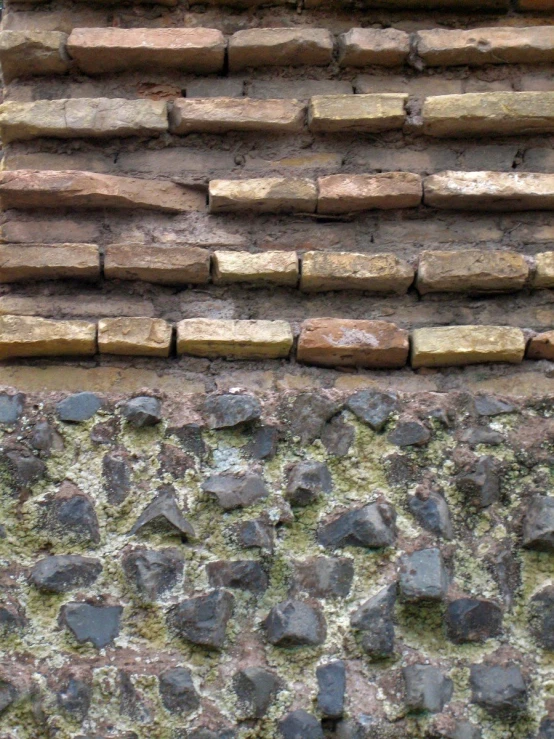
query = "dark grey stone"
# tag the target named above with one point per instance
(423, 576)
(164, 511)
(409, 433)
(239, 575)
(236, 491)
(190, 436)
(373, 407)
(153, 572)
(11, 619)
(541, 617)
(306, 482)
(228, 411)
(338, 436)
(331, 681)
(203, 620)
(546, 729)
(369, 727)
(300, 725)
(117, 477)
(308, 414)
(427, 689)
(8, 694)
(293, 623)
(78, 407)
(263, 444)
(538, 526)
(142, 411)
(465, 730)
(487, 405)
(75, 697)
(177, 691)
(374, 620)
(71, 515)
(96, 624)
(372, 526)
(11, 407)
(24, 467)
(472, 620)
(131, 701)
(325, 577)
(501, 691)
(64, 572)
(481, 485)
(255, 688)
(479, 435)
(204, 733)
(256, 533)
(44, 438)
(431, 511)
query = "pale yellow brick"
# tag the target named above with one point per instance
(362, 47)
(219, 115)
(357, 192)
(544, 270)
(204, 337)
(29, 336)
(450, 346)
(507, 191)
(273, 47)
(263, 195)
(30, 53)
(471, 270)
(148, 337)
(45, 262)
(364, 113)
(275, 267)
(378, 273)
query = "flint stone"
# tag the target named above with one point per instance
(117, 477)
(75, 698)
(308, 414)
(373, 407)
(177, 691)
(11, 407)
(372, 526)
(325, 577)
(307, 481)
(256, 533)
(255, 689)
(538, 526)
(423, 576)
(227, 411)
(78, 407)
(163, 510)
(96, 624)
(487, 405)
(374, 619)
(240, 575)
(338, 436)
(300, 725)
(153, 572)
(264, 443)
(478, 435)
(236, 491)
(541, 621)
(203, 620)
(331, 680)
(426, 688)
(472, 620)
(62, 573)
(482, 485)
(293, 623)
(432, 512)
(501, 691)
(25, 468)
(44, 438)
(190, 436)
(71, 515)
(11, 619)
(142, 411)
(409, 433)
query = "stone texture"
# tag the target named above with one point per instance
(480, 483)
(62, 573)
(146, 337)
(306, 482)
(295, 624)
(82, 118)
(432, 513)
(141, 411)
(374, 620)
(102, 50)
(230, 410)
(300, 725)
(541, 617)
(75, 698)
(363, 47)
(32, 52)
(409, 433)
(501, 691)
(163, 512)
(373, 526)
(373, 407)
(203, 337)
(364, 113)
(41, 262)
(427, 689)
(544, 270)
(11, 408)
(263, 195)
(472, 620)
(74, 189)
(78, 407)
(256, 689)
(538, 525)
(335, 342)
(541, 346)
(273, 267)
(220, 115)
(88, 623)
(177, 691)
(471, 270)
(450, 346)
(341, 193)
(236, 491)
(308, 414)
(423, 576)
(331, 680)
(238, 575)
(171, 265)
(152, 572)
(203, 620)
(280, 47)
(25, 336)
(496, 113)
(325, 577)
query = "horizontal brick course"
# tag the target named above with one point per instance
(276, 267)
(164, 265)
(364, 113)
(147, 337)
(349, 193)
(30, 53)
(264, 195)
(451, 346)
(471, 270)
(203, 337)
(272, 47)
(218, 115)
(544, 270)
(29, 336)
(489, 191)
(378, 273)
(42, 262)
(362, 47)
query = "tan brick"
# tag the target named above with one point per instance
(275, 267)
(450, 346)
(362, 47)
(544, 270)
(81, 117)
(145, 337)
(378, 273)
(366, 113)
(490, 191)
(355, 192)
(471, 270)
(536, 5)
(441, 47)
(541, 346)
(101, 50)
(274, 47)
(495, 113)
(335, 342)
(108, 3)
(42, 262)
(264, 195)
(47, 189)
(456, 5)
(31, 53)
(164, 265)
(29, 336)
(204, 337)
(219, 115)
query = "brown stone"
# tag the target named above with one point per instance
(271, 267)
(347, 193)
(204, 337)
(541, 346)
(365, 113)
(544, 270)
(41, 262)
(164, 265)
(378, 273)
(219, 115)
(450, 346)
(30, 53)
(263, 195)
(29, 336)
(489, 191)
(147, 337)
(100, 50)
(49, 189)
(471, 270)
(335, 342)
(361, 47)
(274, 47)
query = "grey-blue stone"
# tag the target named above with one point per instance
(96, 624)
(423, 576)
(427, 689)
(300, 725)
(331, 680)
(78, 407)
(142, 411)
(11, 407)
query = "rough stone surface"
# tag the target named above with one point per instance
(271, 47)
(62, 573)
(295, 624)
(88, 623)
(308, 414)
(203, 620)
(228, 411)
(204, 337)
(499, 690)
(164, 512)
(450, 346)
(331, 680)
(153, 572)
(256, 689)
(338, 436)
(427, 689)
(362, 47)
(32, 52)
(378, 273)
(142, 411)
(373, 407)
(432, 513)
(177, 691)
(481, 483)
(472, 620)
(410, 433)
(374, 619)
(541, 346)
(300, 725)
(544, 270)
(541, 617)
(372, 526)
(365, 113)
(79, 407)
(263, 195)
(172, 265)
(22, 336)
(306, 482)
(471, 270)
(75, 697)
(423, 576)
(538, 526)
(11, 407)
(220, 115)
(340, 193)
(275, 268)
(146, 337)
(239, 575)
(236, 491)
(325, 577)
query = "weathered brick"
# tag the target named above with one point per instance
(41, 262)
(82, 117)
(544, 270)
(29, 336)
(335, 342)
(495, 113)
(275, 267)
(361, 47)
(379, 273)
(456, 5)
(450, 346)
(101, 3)
(273, 47)
(100, 50)
(347, 193)
(219, 115)
(541, 346)
(147, 337)
(490, 191)
(30, 53)
(471, 270)
(204, 337)
(367, 113)
(510, 45)
(264, 195)
(48, 189)
(164, 265)
(220, 87)
(300, 89)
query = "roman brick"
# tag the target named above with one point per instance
(45, 262)
(362, 47)
(164, 265)
(378, 273)
(219, 115)
(544, 270)
(272, 47)
(204, 337)
(272, 267)
(449, 346)
(365, 113)
(29, 336)
(31, 53)
(508, 191)
(263, 195)
(147, 337)
(471, 270)
(347, 193)
(541, 346)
